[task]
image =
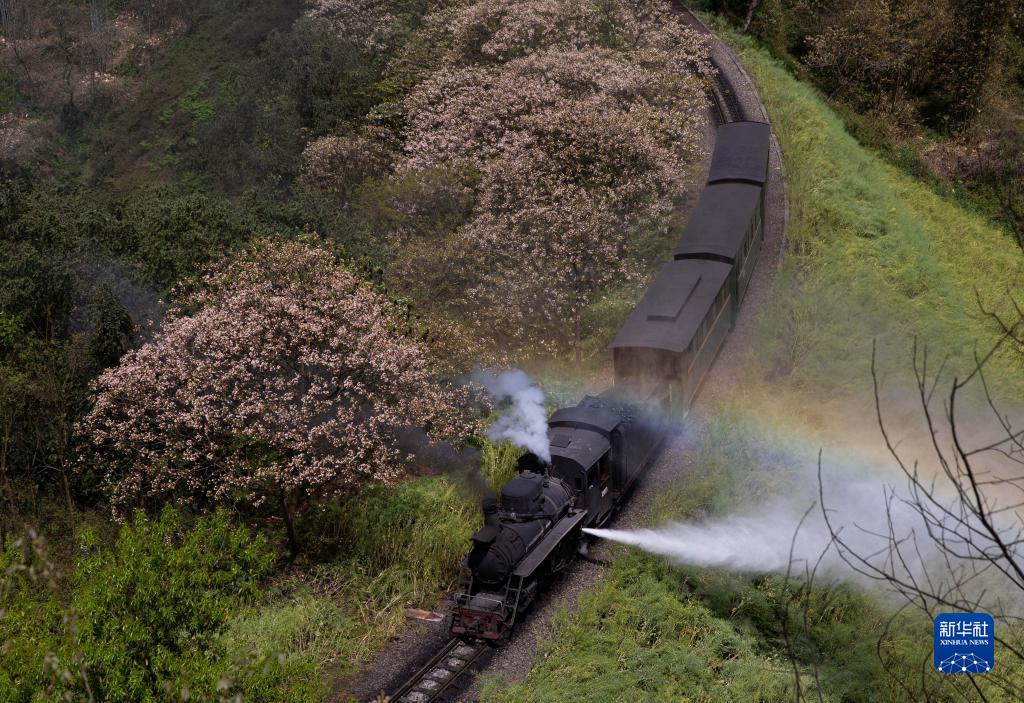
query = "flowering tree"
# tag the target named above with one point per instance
(365, 22)
(486, 32)
(572, 153)
(496, 31)
(337, 164)
(280, 376)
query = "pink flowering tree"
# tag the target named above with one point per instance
(335, 165)
(365, 22)
(486, 32)
(280, 377)
(573, 153)
(497, 31)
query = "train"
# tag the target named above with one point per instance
(600, 448)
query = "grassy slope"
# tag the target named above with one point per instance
(873, 254)
(399, 545)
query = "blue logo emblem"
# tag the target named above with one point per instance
(964, 643)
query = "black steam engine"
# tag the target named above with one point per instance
(598, 450)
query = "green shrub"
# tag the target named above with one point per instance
(166, 235)
(149, 610)
(30, 619)
(420, 528)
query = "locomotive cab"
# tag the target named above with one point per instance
(583, 460)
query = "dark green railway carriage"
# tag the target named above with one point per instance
(726, 226)
(667, 345)
(669, 342)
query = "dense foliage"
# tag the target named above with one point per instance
(142, 620)
(81, 277)
(148, 611)
(534, 147)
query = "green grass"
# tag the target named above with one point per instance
(656, 633)
(873, 253)
(498, 463)
(638, 638)
(397, 546)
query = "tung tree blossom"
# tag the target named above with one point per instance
(336, 164)
(280, 376)
(498, 31)
(574, 152)
(366, 23)
(494, 31)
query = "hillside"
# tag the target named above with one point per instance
(253, 254)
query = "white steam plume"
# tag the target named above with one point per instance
(741, 543)
(522, 418)
(765, 538)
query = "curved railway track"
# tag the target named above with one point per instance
(728, 107)
(440, 678)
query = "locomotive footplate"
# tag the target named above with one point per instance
(542, 551)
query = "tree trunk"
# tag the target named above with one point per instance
(67, 492)
(750, 15)
(3, 532)
(293, 540)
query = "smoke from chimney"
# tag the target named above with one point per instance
(522, 419)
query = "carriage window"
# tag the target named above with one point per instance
(604, 469)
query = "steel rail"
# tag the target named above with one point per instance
(436, 677)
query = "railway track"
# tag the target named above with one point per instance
(437, 678)
(728, 107)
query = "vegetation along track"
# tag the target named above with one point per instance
(734, 98)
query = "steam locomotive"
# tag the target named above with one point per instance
(601, 447)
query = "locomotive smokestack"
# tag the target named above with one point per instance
(490, 507)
